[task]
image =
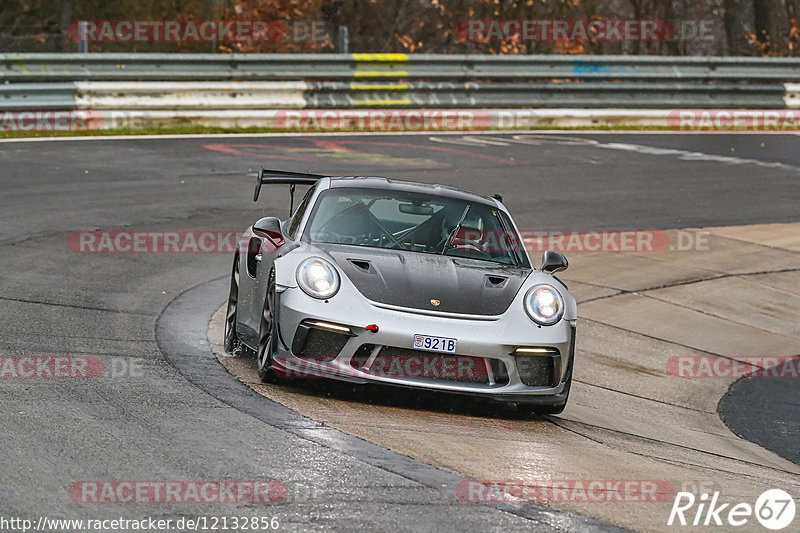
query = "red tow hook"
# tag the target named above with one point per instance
(372, 327)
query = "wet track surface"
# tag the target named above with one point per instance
(765, 411)
(145, 420)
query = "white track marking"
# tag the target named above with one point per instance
(539, 138)
(687, 155)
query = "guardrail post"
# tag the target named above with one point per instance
(344, 39)
(83, 41)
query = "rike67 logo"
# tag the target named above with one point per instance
(774, 509)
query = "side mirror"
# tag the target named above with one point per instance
(269, 227)
(553, 262)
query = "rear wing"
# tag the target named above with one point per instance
(282, 177)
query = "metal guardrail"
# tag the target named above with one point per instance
(25, 96)
(198, 85)
(337, 67)
(339, 95)
(589, 94)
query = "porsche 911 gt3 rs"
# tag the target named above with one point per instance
(400, 283)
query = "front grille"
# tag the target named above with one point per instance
(318, 344)
(417, 364)
(536, 370)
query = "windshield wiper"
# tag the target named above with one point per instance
(455, 230)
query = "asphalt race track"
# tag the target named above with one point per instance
(156, 414)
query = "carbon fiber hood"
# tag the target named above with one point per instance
(419, 281)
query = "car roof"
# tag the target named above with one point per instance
(369, 182)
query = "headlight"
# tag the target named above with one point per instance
(318, 278)
(544, 304)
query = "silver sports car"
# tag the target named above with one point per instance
(385, 281)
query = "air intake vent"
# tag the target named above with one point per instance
(536, 370)
(363, 265)
(499, 371)
(318, 344)
(495, 282)
(361, 356)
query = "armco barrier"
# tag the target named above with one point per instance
(337, 95)
(340, 67)
(210, 89)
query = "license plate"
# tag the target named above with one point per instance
(434, 344)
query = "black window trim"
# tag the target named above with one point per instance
(297, 216)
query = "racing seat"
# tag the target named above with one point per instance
(351, 226)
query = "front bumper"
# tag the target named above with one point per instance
(491, 341)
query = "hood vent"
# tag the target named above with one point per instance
(495, 282)
(363, 265)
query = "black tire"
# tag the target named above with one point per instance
(267, 335)
(231, 342)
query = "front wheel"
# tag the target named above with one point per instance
(231, 340)
(267, 335)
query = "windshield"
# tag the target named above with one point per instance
(414, 222)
